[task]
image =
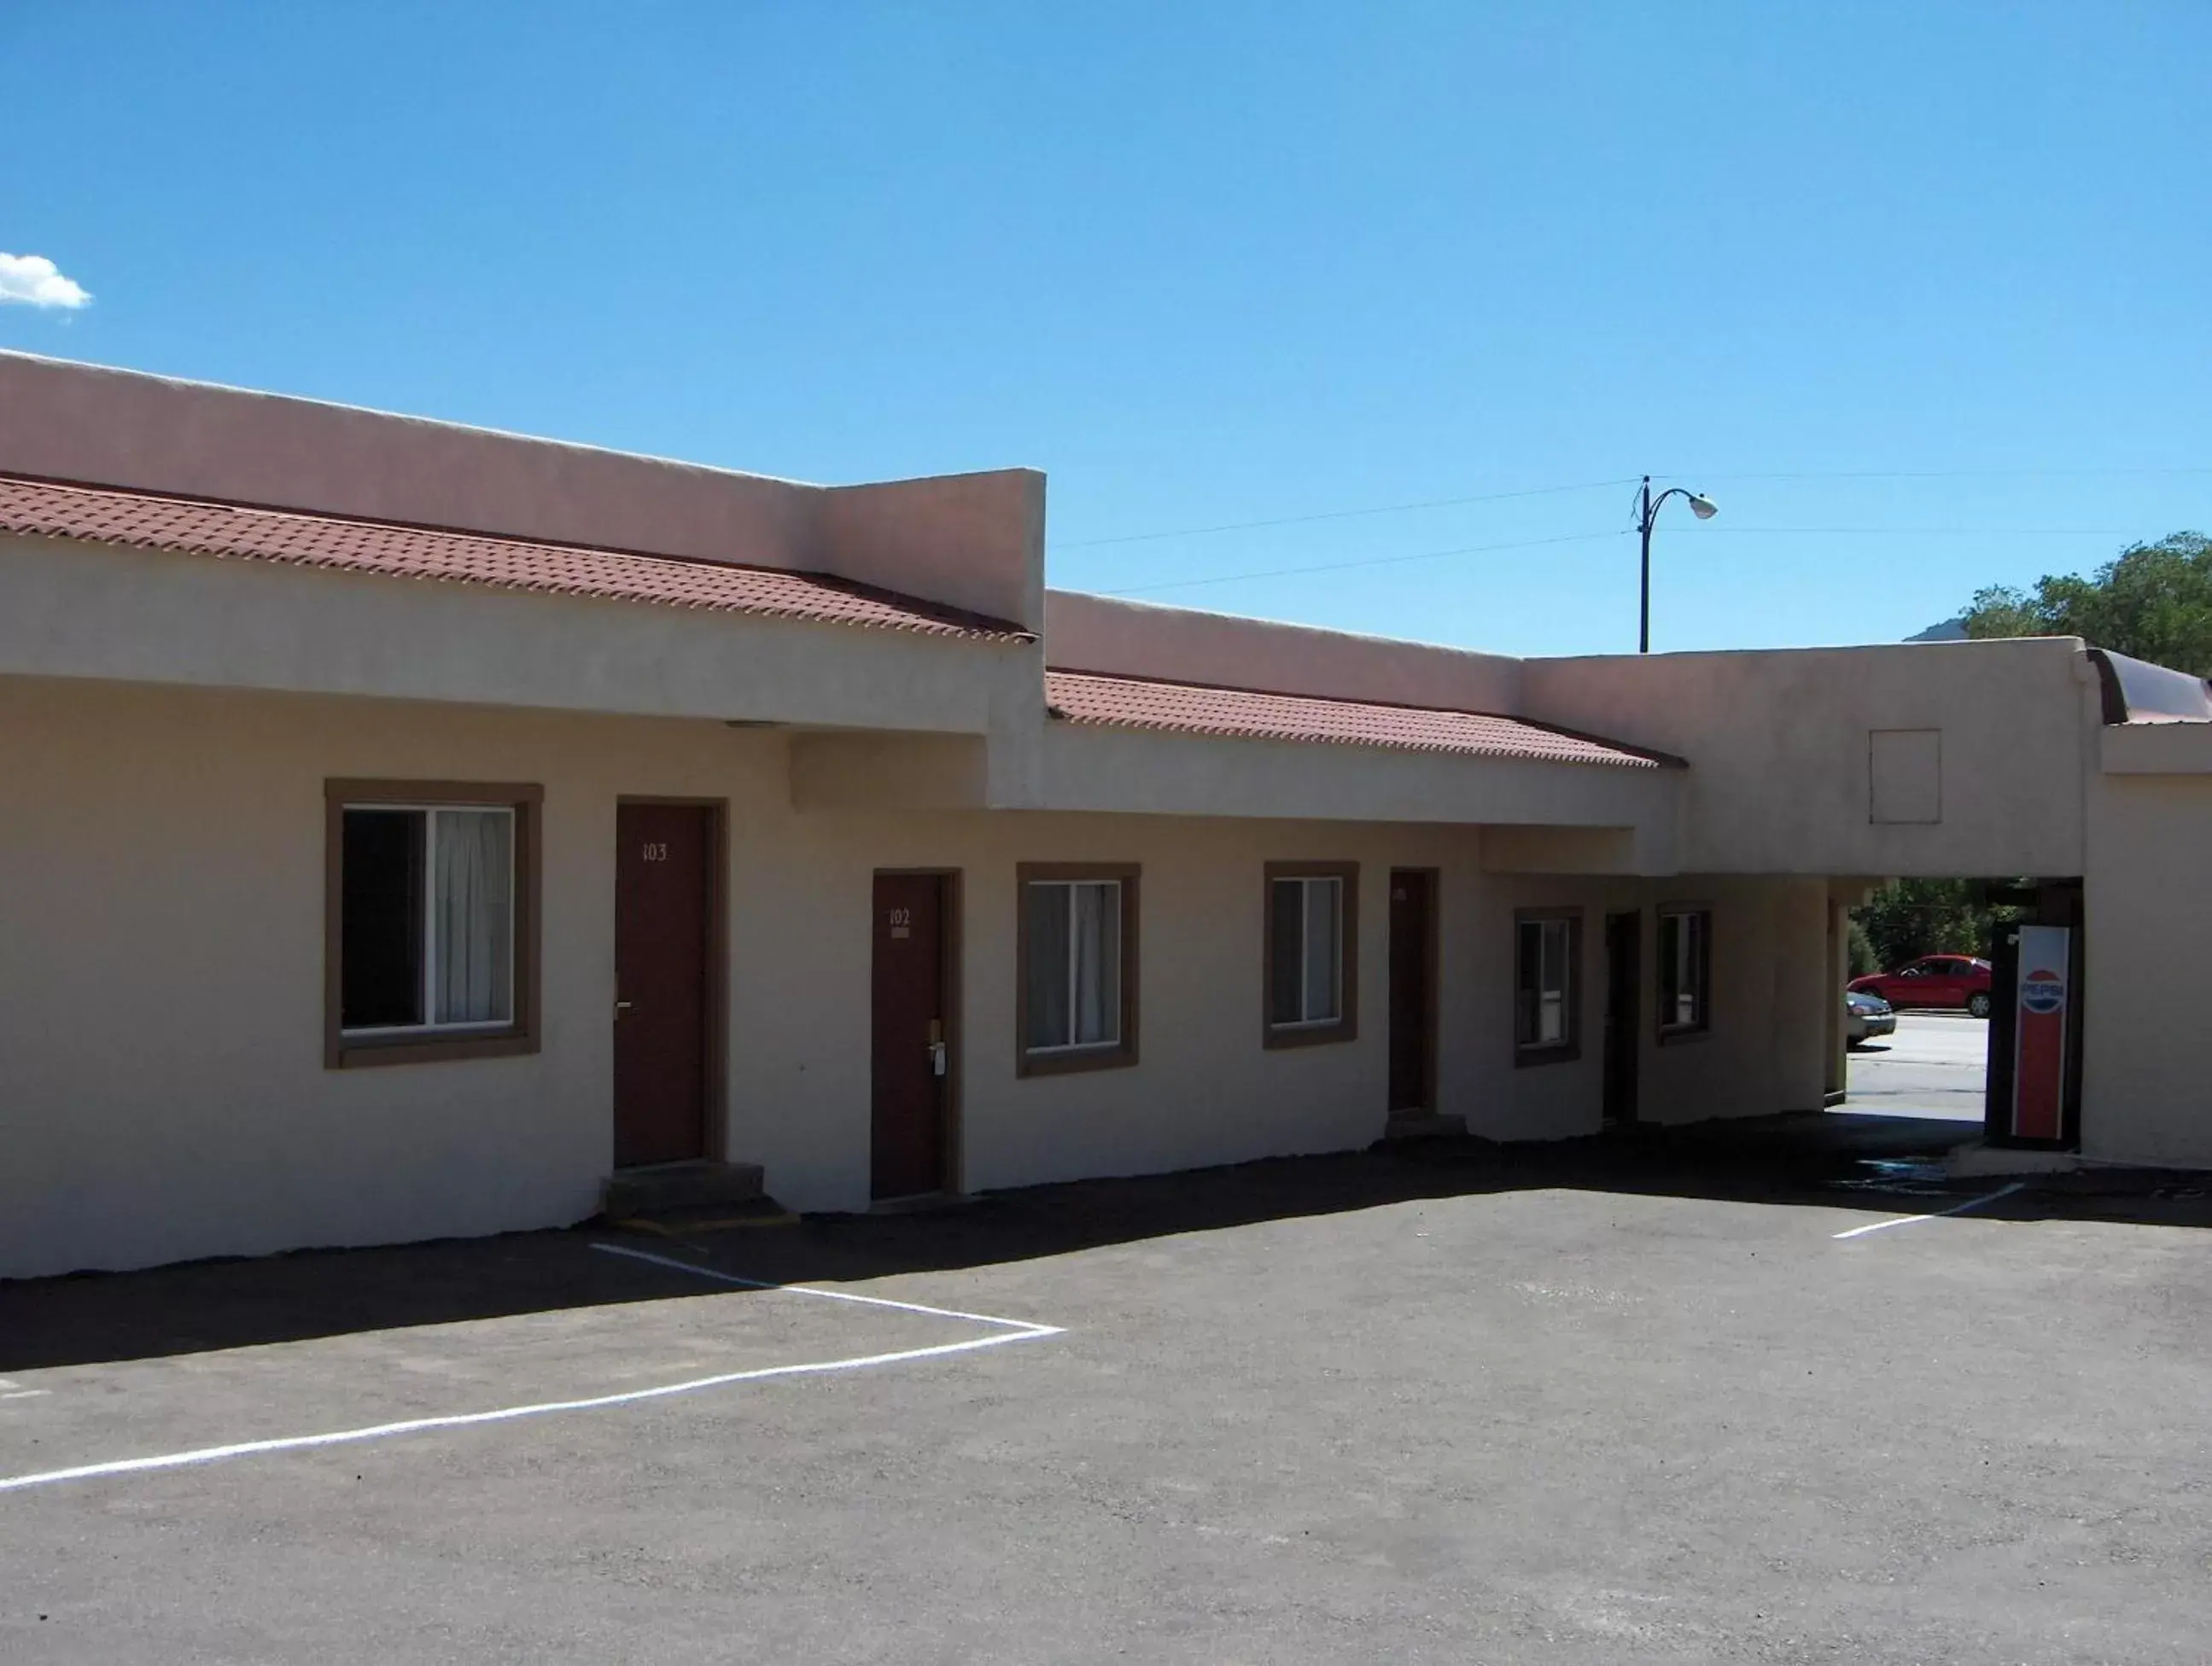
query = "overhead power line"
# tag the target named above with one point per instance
(1588, 538)
(1931, 531)
(1631, 479)
(1375, 561)
(1347, 514)
(1949, 473)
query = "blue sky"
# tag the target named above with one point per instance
(1918, 293)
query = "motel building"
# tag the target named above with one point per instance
(407, 830)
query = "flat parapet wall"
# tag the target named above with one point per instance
(1085, 632)
(1937, 758)
(972, 540)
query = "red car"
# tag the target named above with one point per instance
(1933, 980)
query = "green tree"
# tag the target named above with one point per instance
(2153, 602)
(1915, 917)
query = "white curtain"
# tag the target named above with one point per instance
(473, 853)
(1096, 963)
(1324, 899)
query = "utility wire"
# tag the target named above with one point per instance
(1631, 479)
(1934, 531)
(1348, 514)
(1587, 537)
(1948, 474)
(1377, 560)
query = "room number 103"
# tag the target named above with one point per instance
(656, 852)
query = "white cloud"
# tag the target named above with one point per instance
(37, 281)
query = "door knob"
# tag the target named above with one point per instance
(624, 1006)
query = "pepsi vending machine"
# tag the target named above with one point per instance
(2034, 1094)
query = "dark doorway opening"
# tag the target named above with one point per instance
(666, 945)
(912, 1051)
(1413, 991)
(1623, 972)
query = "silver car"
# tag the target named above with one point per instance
(1866, 1015)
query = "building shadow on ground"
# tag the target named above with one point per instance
(1884, 1164)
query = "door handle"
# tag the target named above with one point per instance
(937, 1058)
(622, 1007)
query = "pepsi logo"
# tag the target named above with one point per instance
(2043, 991)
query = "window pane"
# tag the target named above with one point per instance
(1686, 978)
(1694, 978)
(1553, 1013)
(1682, 951)
(1322, 898)
(1553, 981)
(380, 918)
(1047, 905)
(473, 853)
(1528, 963)
(1097, 1003)
(1286, 951)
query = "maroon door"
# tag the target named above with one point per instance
(664, 926)
(911, 1056)
(1412, 902)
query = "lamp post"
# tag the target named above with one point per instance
(1647, 511)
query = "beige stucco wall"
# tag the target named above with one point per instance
(2147, 1050)
(1764, 1050)
(160, 956)
(1085, 767)
(975, 540)
(92, 610)
(1085, 632)
(1777, 744)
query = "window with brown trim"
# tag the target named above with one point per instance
(1547, 984)
(1075, 976)
(1311, 953)
(430, 922)
(1686, 939)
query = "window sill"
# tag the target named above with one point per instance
(1075, 1063)
(1565, 1052)
(1277, 1036)
(1687, 1032)
(358, 1053)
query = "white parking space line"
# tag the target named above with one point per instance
(1012, 1330)
(1912, 1219)
(720, 1277)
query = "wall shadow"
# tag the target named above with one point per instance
(1885, 1165)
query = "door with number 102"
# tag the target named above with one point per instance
(911, 1053)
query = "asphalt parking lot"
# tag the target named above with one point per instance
(1627, 1399)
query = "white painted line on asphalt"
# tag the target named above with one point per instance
(1014, 1330)
(1909, 1220)
(24, 1394)
(720, 1277)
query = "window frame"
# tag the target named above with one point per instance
(1072, 1059)
(344, 1049)
(1668, 1030)
(1312, 1032)
(1569, 1047)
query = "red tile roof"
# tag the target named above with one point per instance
(1183, 708)
(140, 520)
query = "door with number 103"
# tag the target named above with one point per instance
(664, 938)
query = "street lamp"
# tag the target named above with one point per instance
(1647, 511)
